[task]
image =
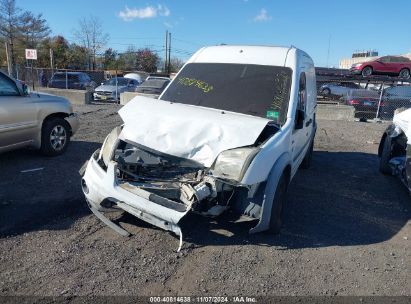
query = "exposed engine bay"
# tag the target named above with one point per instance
(187, 184)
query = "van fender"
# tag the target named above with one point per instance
(271, 186)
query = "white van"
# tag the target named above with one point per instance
(230, 131)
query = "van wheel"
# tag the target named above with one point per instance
(385, 156)
(306, 163)
(277, 209)
(55, 136)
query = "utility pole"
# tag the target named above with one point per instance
(328, 52)
(169, 52)
(165, 61)
(9, 64)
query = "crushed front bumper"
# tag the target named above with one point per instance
(100, 186)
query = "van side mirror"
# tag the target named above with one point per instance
(299, 119)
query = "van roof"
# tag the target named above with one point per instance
(250, 54)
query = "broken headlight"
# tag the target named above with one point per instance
(108, 145)
(232, 164)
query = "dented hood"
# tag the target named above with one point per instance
(187, 131)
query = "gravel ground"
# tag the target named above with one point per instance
(347, 229)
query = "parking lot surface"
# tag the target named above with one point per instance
(347, 229)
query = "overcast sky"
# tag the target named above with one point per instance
(310, 25)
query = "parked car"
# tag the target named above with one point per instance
(394, 144)
(134, 76)
(396, 97)
(366, 102)
(386, 65)
(112, 88)
(337, 88)
(158, 76)
(71, 80)
(212, 141)
(42, 121)
(365, 107)
(153, 87)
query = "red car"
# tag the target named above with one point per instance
(387, 65)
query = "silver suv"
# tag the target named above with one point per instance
(42, 121)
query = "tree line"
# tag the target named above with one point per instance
(21, 30)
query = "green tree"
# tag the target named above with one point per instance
(9, 26)
(21, 30)
(77, 57)
(146, 60)
(110, 59)
(127, 60)
(32, 29)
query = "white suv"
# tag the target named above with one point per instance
(230, 131)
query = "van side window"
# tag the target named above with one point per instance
(302, 93)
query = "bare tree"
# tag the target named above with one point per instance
(90, 35)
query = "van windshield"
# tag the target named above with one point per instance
(257, 90)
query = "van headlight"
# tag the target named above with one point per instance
(232, 164)
(107, 149)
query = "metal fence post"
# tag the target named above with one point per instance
(379, 101)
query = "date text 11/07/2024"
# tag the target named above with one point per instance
(203, 299)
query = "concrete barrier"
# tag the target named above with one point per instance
(78, 97)
(335, 112)
(127, 96)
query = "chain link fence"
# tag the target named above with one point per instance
(370, 99)
(70, 79)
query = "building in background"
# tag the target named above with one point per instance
(363, 56)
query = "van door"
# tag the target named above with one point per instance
(302, 124)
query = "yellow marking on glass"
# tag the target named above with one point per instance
(202, 85)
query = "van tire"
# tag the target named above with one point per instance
(306, 163)
(54, 127)
(385, 156)
(279, 201)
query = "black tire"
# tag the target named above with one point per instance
(326, 92)
(306, 163)
(367, 71)
(277, 209)
(385, 156)
(404, 74)
(55, 136)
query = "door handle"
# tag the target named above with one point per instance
(308, 122)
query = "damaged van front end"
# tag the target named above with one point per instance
(159, 167)
(229, 132)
